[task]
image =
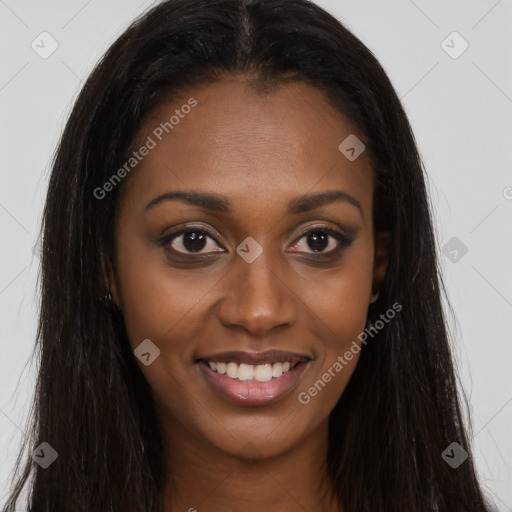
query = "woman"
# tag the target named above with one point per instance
(239, 184)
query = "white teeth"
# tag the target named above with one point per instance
(277, 370)
(232, 370)
(245, 372)
(261, 372)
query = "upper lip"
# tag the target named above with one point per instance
(255, 358)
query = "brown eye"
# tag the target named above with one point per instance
(323, 240)
(190, 241)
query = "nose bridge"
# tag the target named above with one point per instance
(258, 298)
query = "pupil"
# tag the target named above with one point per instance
(194, 241)
(319, 241)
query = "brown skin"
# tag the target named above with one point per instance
(259, 151)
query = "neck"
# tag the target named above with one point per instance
(202, 478)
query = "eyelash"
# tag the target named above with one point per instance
(343, 240)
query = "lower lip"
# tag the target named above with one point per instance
(252, 392)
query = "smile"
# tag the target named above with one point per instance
(235, 376)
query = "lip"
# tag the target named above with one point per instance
(252, 392)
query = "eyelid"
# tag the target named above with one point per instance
(184, 228)
(338, 230)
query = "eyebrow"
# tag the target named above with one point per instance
(221, 204)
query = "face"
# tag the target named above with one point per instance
(251, 293)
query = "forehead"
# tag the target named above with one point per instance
(246, 145)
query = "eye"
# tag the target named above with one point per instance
(192, 240)
(323, 240)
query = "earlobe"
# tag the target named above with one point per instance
(380, 263)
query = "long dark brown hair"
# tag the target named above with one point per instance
(401, 408)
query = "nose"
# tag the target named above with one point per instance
(258, 298)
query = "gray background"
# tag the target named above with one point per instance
(460, 110)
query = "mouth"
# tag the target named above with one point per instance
(253, 378)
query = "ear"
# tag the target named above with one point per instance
(380, 262)
(112, 285)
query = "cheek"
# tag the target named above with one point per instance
(340, 305)
(163, 305)
(341, 298)
(158, 302)
(345, 317)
